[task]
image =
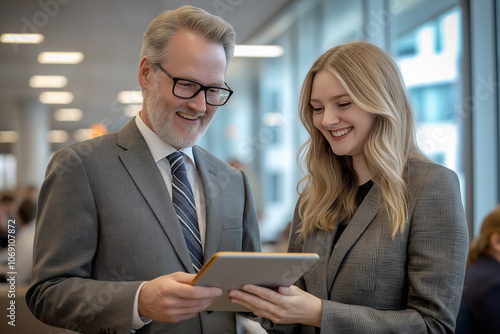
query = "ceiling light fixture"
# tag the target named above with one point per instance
(132, 110)
(56, 97)
(60, 57)
(9, 136)
(21, 38)
(129, 97)
(81, 134)
(57, 136)
(48, 81)
(68, 114)
(266, 51)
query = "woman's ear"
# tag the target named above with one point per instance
(495, 242)
(145, 74)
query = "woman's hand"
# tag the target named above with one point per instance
(289, 305)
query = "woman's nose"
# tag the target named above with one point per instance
(330, 117)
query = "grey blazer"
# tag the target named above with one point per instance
(106, 223)
(370, 283)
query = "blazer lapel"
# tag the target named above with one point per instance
(363, 216)
(144, 172)
(212, 187)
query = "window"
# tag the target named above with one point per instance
(430, 56)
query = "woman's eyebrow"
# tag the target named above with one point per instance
(336, 97)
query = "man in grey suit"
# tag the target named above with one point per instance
(110, 254)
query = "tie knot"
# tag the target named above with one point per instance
(176, 161)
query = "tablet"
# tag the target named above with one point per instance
(231, 270)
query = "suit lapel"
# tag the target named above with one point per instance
(212, 183)
(137, 159)
(362, 218)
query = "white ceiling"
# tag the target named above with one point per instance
(109, 33)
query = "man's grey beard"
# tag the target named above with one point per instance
(159, 119)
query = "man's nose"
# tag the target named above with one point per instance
(198, 102)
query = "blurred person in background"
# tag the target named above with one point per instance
(25, 234)
(480, 307)
(7, 212)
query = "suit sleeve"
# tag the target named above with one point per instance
(437, 253)
(63, 293)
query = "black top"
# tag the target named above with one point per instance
(360, 196)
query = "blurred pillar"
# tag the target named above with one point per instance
(32, 148)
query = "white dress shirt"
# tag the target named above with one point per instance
(160, 150)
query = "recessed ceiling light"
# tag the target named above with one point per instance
(68, 114)
(60, 57)
(131, 110)
(48, 81)
(21, 38)
(56, 97)
(130, 97)
(57, 136)
(81, 134)
(9, 136)
(268, 51)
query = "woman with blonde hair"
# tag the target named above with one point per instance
(388, 224)
(480, 307)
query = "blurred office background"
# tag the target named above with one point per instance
(447, 51)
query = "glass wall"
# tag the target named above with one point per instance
(430, 58)
(481, 107)
(261, 125)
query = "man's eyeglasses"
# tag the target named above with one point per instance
(187, 89)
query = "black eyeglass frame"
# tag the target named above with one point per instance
(202, 87)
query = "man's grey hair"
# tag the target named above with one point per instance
(163, 27)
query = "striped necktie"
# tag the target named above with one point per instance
(183, 199)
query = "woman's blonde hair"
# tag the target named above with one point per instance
(373, 81)
(481, 245)
(160, 31)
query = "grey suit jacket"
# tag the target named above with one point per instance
(106, 223)
(370, 283)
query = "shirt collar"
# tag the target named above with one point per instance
(159, 149)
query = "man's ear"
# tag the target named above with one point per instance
(145, 73)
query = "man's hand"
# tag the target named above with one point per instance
(171, 298)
